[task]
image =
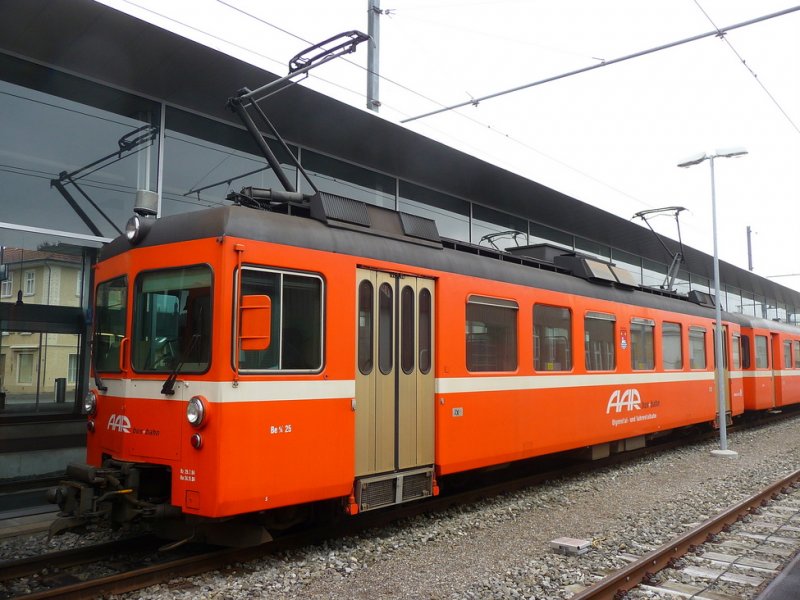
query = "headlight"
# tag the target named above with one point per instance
(90, 403)
(136, 228)
(195, 411)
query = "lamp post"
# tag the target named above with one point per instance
(720, 378)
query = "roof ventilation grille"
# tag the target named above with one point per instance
(595, 271)
(419, 227)
(702, 298)
(347, 213)
(340, 208)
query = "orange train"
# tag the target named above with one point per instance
(249, 365)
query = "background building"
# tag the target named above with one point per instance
(97, 106)
(39, 370)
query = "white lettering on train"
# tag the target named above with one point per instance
(629, 400)
(119, 423)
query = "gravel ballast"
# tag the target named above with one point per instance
(500, 548)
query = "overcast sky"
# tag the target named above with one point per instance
(611, 137)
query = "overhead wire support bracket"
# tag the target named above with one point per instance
(311, 57)
(130, 143)
(677, 257)
(300, 64)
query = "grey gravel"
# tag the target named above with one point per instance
(500, 548)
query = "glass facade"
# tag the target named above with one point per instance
(205, 159)
(653, 273)
(78, 157)
(541, 234)
(497, 229)
(451, 214)
(344, 179)
(592, 249)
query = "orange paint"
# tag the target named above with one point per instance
(262, 452)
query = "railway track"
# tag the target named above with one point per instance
(134, 564)
(728, 557)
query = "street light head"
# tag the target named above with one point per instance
(730, 152)
(694, 160)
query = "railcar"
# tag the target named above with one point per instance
(251, 363)
(770, 360)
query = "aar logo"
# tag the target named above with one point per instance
(119, 423)
(629, 400)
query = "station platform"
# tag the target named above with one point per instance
(26, 523)
(36, 449)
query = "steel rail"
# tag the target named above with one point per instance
(614, 586)
(64, 559)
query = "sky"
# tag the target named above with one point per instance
(611, 137)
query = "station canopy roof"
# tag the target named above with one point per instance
(92, 40)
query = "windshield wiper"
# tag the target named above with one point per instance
(98, 382)
(168, 388)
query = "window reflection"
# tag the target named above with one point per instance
(653, 273)
(497, 229)
(80, 160)
(682, 284)
(592, 249)
(541, 233)
(204, 160)
(341, 178)
(451, 214)
(629, 262)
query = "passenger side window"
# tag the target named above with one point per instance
(737, 356)
(552, 338)
(642, 342)
(762, 352)
(491, 334)
(787, 355)
(599, 339)
(671, 348)
(746, 352)
(797, 355)
(697, 348)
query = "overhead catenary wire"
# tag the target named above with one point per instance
(746, 66)
(605, 63)
(491, 128)
(302, 39)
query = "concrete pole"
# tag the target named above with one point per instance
(373, 54)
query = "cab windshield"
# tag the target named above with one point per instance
(172, 321)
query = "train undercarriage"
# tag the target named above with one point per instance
(126, 495)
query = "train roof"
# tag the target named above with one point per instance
(757, 322)
(346, 238)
